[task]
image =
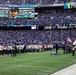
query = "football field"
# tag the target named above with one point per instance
(37, 63)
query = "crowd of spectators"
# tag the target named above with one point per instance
(55, 18)
(38, 37)
(60, 19)
(44, 18)
(62, 35)
(32, 1)
(24, 36)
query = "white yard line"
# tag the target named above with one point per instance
(71, 70)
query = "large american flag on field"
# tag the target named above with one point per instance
(74, 43)
(69, 40)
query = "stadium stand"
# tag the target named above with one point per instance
(37, 37)
(24, 36)
(32, 1)
(44, 19)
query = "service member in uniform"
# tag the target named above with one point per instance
(13, 13)
(14, 51)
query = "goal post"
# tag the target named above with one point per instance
(55, 35)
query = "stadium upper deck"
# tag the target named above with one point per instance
(44, 18)
(32, 1)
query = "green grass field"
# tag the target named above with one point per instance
(38, 63)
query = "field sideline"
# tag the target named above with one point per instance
(38, 63)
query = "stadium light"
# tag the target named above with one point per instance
(33, 27)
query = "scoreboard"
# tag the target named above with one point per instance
(25, 11)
